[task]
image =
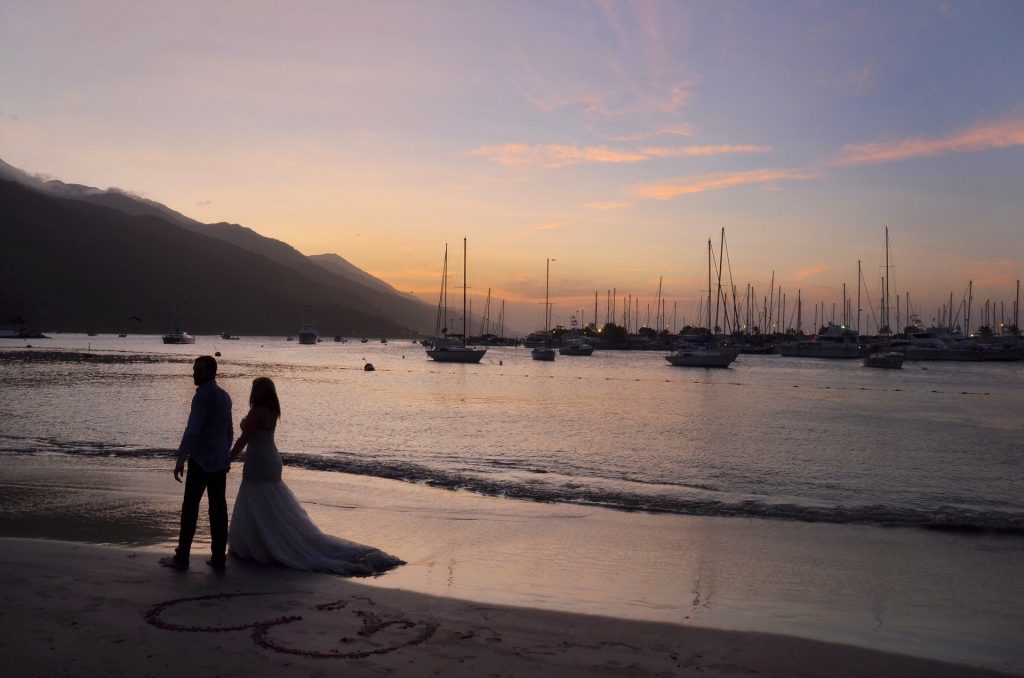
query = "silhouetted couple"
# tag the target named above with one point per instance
(267, 524)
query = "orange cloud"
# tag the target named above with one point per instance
(997, 276)
(678, 130)
(555, 155)
(699, 151)
(665, 190)
(562, 155)
(605, 205)
(979, 137)
(541, 227)
(806, 272)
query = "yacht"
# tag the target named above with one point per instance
(178, 337)
(892, 360)
(576, 346)
(308, 335)
(837, 341)
(542, 353)
(697, 356)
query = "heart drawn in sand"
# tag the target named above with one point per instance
(377, 634)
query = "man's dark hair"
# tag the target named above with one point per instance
(208, 363)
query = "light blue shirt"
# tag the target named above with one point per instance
(209, 432)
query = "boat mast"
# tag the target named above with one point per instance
(799, 312)
(464, 285)
(547, 307)
(441, 325)
(970, 304)
(710, 330)
(718, 299)
(858, 295)
(885, 317)
(1016, 310)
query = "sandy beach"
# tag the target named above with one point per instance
(78, 609)
(492, 587)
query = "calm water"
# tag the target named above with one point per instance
(932, 445)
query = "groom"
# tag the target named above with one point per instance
(206, 445)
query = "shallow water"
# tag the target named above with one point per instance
(931, 445)
(845, 451)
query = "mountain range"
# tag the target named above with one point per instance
(79, 258)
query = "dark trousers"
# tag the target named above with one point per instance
(198, 481)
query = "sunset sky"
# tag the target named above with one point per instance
(612, 137)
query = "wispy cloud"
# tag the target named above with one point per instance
(671, 188)
(805, 272)
(978, 137)
(699, 151)
(563, 155)
(605, 205)
(550, 226)
(998, 276)
(680, 130)
(555, 155)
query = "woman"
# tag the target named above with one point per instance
(267, 523)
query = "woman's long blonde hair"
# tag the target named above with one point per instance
(264, 394)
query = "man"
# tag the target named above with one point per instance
(206, 444)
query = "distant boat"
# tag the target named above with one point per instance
(451, 349)
(837, 341)
(702, 357)
(544, 351)
(576, 347)
(227, 336)
(892, 360)
(308, 335)
(178, 337)
(709, 354)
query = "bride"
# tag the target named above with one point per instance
(268, 524)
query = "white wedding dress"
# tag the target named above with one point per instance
(268, 524)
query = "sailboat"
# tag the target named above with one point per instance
(545, 352)
(691, 355)
(178, 336)
(453, 349)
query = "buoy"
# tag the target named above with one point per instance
(217, 354)
(368, 367)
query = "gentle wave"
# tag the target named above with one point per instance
(946, 518)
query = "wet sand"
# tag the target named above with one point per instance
(509, 587)
(76, 609)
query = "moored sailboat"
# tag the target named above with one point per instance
(711, 354)
(452, 348)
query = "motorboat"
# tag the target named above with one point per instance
(308, 335)
(892, 360)
(694, 356)
(576, 347)
(542, 353)
(837, 341)
(178, 337)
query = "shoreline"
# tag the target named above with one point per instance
(879, 591)
(78, 608)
